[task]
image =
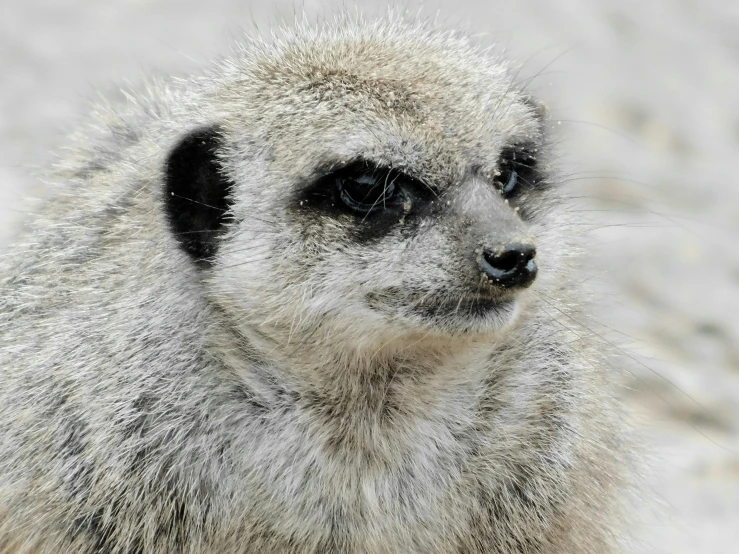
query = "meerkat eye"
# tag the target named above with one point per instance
(366, 190)
(516, 170)
(511, 181)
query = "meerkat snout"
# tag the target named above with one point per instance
(510, 266)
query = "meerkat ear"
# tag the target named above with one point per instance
(197, 193)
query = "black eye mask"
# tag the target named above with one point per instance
(517, 171)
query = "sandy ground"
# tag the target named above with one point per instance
(644, 99)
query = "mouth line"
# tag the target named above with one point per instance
(464, 306)
(438, 305)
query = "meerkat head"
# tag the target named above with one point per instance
(364, 185)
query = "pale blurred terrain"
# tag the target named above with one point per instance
(644, 99)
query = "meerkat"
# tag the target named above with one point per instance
(310, 301)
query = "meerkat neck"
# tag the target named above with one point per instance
(416, 380)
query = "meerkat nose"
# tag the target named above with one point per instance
(510, 266)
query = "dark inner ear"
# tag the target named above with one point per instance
(197, 193)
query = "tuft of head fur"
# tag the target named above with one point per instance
(210, 343)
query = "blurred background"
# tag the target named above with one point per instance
(644, 100)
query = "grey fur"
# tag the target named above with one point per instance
(287, 396)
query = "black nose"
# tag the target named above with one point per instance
(510, 266)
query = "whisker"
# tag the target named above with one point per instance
(255, 260)
(633, 358)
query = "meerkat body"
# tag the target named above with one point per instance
(285, 308)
